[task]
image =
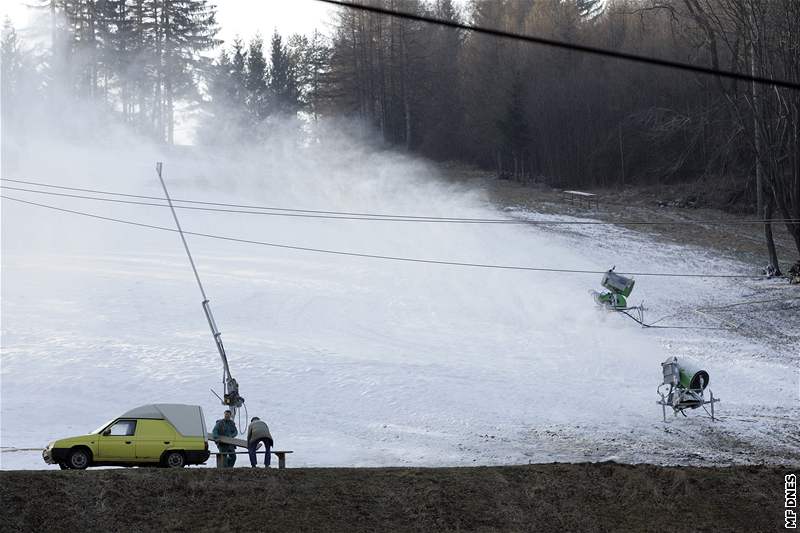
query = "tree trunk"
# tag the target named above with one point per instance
(621, 155)
(170, 112)
(406, 83)
(760, 209)
(773, 254)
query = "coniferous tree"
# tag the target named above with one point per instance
(116, 42)
(309, 60)
(10, 73)
(256, 81)
(282, 84)
(314, 73)
(10, 63)
(184, 29)
(21, 87)
(138, 56)
(225, 116)
(239, 73)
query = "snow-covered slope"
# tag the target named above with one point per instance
(363, 361)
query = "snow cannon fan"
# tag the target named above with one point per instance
(618, 289)
(687, 385)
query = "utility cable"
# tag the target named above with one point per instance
(603, 52)
(704, 308)
(376, 256)
(269, 208)
(342, 215)
(336, 216)
(654, 326)
(771, 300)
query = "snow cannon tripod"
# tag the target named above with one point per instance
(618, 289)
(687, 384)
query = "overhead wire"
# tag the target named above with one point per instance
(748, 302)
(378, 256)
(593, 50)
(653, 325)
(246, 206)
(344, 215)
(336, 216)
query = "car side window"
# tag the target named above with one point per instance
(124, 428)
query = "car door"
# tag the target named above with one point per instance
(117, 442)
(152, 438)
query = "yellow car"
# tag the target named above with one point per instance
(169, 435)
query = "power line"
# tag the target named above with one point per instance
(342, 215)
(568, 46)
(376, 256)
(653, 325)
(268, 208)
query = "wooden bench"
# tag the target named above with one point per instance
(280, 453)
(580, 197)
(243, 444)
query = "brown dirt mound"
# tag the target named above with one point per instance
(552, 497)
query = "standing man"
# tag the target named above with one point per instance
(225, 427)
(258, 432)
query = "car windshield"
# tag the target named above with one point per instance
(101, 428)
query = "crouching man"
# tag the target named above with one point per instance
(257, 433)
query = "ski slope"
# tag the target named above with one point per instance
(365, 362)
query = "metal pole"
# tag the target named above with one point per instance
(159, 167)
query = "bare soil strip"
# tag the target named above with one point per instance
(544, 497)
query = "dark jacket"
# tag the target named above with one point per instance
(224, 428)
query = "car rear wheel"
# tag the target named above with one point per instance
(78, 459)
(174, 460)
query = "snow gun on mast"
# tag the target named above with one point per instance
(230, 386)
(618, 289)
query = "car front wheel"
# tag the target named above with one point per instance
(174, 460)
(78, 459)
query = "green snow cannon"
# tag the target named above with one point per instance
(684, 374)
(688, 384)
(619, 288)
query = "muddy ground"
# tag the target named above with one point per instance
(546, 497)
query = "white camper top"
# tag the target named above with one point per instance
(187, 419)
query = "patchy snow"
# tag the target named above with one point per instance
(361, 362)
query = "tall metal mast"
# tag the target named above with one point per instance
(230, 387)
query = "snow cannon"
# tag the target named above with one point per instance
(689, 376)
(687, 385)
(619, 288)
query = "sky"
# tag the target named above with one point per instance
(247, 17)
(235, 17)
